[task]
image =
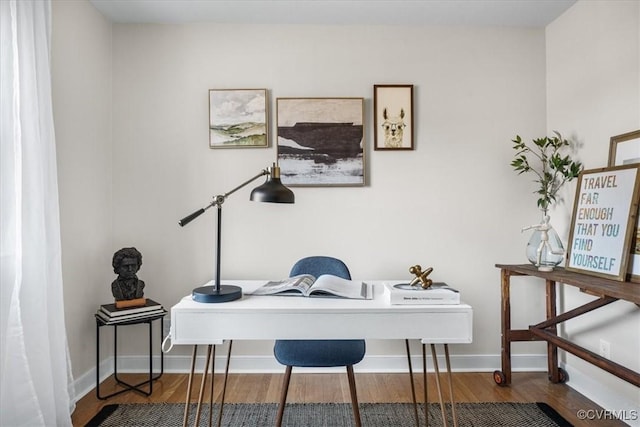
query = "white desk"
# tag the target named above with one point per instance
(289, 317)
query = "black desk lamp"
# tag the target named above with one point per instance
(272, 191)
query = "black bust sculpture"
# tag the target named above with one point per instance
(126, 263)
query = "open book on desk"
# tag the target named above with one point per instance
(326, 285)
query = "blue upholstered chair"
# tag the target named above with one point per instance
(319, 353)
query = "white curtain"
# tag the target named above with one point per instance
(35, 373)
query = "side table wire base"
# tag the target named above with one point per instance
(127, 386)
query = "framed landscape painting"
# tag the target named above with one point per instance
(393, 117)
(238, 118)
(321, 141)
(625, 150)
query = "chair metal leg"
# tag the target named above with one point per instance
(413, 388)
(283, 395)
(189, 386)
(354, 395)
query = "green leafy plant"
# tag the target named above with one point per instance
(545, 160)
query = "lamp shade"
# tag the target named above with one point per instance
(273, 190)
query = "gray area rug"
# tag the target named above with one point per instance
(330, 415)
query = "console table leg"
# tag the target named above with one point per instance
(505, 378)
(552, 349)
(189, 386)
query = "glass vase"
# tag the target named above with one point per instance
(545, 249)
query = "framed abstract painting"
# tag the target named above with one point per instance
(321, 141)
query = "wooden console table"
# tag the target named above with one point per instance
(606, 290)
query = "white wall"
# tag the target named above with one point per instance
(81, 80)
(453, 203)
(593, 92)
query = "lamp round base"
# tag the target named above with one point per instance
(209, 294)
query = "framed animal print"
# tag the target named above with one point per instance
(321, 141)
(393, 117)
(238, 118)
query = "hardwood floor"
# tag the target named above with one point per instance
(372, 388)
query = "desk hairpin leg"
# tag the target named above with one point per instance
(413, 388)
(210, 358)
(439, 388)
(213, 371)
(210, 348)
(437, 377)
(424, 384)
(224, 386)
(434, 356)
(189, 386)
(454, 415)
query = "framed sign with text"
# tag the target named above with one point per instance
(603, 221)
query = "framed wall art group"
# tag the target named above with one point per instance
(320, 141)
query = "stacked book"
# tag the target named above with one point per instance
(109, 314)
(437, 293)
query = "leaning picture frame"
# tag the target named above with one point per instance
(624, 149)
(393, 117)
(603, 221)
(321, 141)
(238, 118)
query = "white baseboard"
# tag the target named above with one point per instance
(87, 381)
(615, 403)
(267, 364)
